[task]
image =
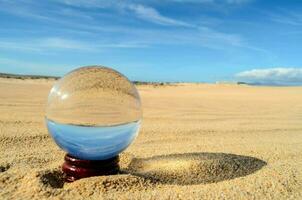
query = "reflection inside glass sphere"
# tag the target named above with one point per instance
(93, 113)
(98, 142)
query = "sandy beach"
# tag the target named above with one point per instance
(197, 141)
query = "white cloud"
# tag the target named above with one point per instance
(272, 76)
(17, 46)
(142, 11)
(124, 45)
(106, 3)
(237, 1)
(86, 3)
(212, 1)
(283, 16)
(208, 34)
(61, 43)
(152, 15)
(287, 19)
(43, 45)
(121, 36)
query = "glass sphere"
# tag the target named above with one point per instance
(93, 113)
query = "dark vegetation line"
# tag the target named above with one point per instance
(23, 77)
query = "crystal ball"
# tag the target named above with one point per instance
(93, 113)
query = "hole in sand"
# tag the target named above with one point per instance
(4, 168)
(53, 179)
(194, 168)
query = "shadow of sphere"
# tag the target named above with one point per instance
(194, 168)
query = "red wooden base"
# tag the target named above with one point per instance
(75, 168)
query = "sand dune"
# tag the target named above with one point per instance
(197, 141)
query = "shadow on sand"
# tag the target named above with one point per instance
(194, 168)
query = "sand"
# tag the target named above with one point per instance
(197, 141)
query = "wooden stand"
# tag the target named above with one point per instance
(75, 168)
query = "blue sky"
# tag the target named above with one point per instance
(155, 40)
